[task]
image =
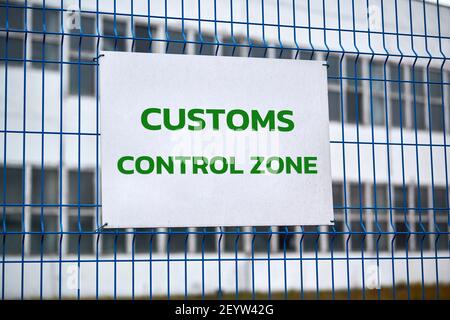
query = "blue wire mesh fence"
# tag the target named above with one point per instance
(389, 92)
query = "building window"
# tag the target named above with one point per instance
(378, 111)
(435, 83)
(82, 51)
(177, 240)
(205, 45)
(145, 239)
(48, 52)
(380, 239)
(81, 219)
(447, 102)
(230, 47)
(353, 69)
(206, 240)
(398, 112)
(357, 216)
(44, 219)
(78, 240)
(354, 97)
(14, 13)
(418, 74)
(310, 239)
(45, 49)
(114, 33)
(11, 216)
(13, 191)
(437, 116)
(47, 242)
(441, 212)
(401, 217)
(398, 106)
(12, 47)
(440, 201)
(143, 38)
(354, 106)
(176, 42)
(421, 219)
(45, 186)
(334, 105)
(337, 241)
(82, 79)
(377, 98)
(48, 17)
(334, 96)
(287, 238)
(84, 39)
(443, 240)
(285, 53)
(306, 54)
(81, 187)
(232, 239)
(13, 242)
(113, 241)
(334, 67)
(396, 77)
(261, 238)
(257, 49)
(418, 99)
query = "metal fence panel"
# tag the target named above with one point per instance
(389, 91)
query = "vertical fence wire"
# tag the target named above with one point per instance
(389, 92)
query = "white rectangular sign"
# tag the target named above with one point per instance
(190, 141)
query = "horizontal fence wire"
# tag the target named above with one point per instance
(388, 90)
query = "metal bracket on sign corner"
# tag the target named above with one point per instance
(101, 227)
(326, 65)
(95, 59)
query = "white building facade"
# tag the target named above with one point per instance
(389, 94)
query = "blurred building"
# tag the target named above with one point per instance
(388, 101)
